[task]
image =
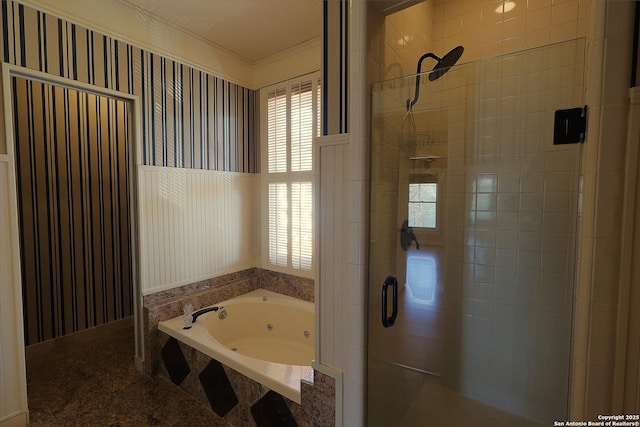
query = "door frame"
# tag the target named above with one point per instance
(11, 293)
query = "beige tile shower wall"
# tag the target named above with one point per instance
(440, 25)
(194, 225)
(485, 31)
(398, 40)
(511, 216)
(515, 195)
(385, 172)
(511, 212)
(407, 36)
(505, 188)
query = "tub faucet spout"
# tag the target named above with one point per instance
(203, 311)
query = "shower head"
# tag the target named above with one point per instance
(441, 67)
(445, 63)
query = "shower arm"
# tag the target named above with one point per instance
(410, 103)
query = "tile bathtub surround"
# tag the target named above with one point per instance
(287, 284)
(198, 287)
(169, 304)
(320, 393)
(241, 401)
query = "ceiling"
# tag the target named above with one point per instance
(251, 29)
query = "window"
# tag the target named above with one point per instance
(290, 117)
(423, 199)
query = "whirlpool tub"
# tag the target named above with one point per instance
(266, 336)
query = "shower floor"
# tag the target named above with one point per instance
(416, 360)
(443, 407)
(89, 379)
(431, 404)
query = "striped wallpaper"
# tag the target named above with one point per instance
(335, 71)
(72, 152)
(191, 119)
(74, 228)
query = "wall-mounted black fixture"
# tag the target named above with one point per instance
(569, 126)
(442, 66)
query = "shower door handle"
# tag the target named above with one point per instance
(388, 321)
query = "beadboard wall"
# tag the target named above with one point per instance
(210, 218)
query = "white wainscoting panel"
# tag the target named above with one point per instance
(13, 391)
(333, 235)
(195, 225)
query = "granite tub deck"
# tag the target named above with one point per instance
(168, 304)
(264, 335)
(215, 384)
(237, 399)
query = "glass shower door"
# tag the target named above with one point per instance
(474, 212)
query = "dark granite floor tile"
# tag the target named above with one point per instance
(159, 402)
(94, 383)
(95, 410)
(40, 415)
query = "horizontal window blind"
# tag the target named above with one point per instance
(278, 223)
(301, 127)
(277, 131)
(292, 120)
(301, 225)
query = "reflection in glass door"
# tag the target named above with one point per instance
(474, 212)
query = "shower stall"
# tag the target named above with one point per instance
(475, 202)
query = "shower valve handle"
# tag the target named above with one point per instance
(388, 321)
